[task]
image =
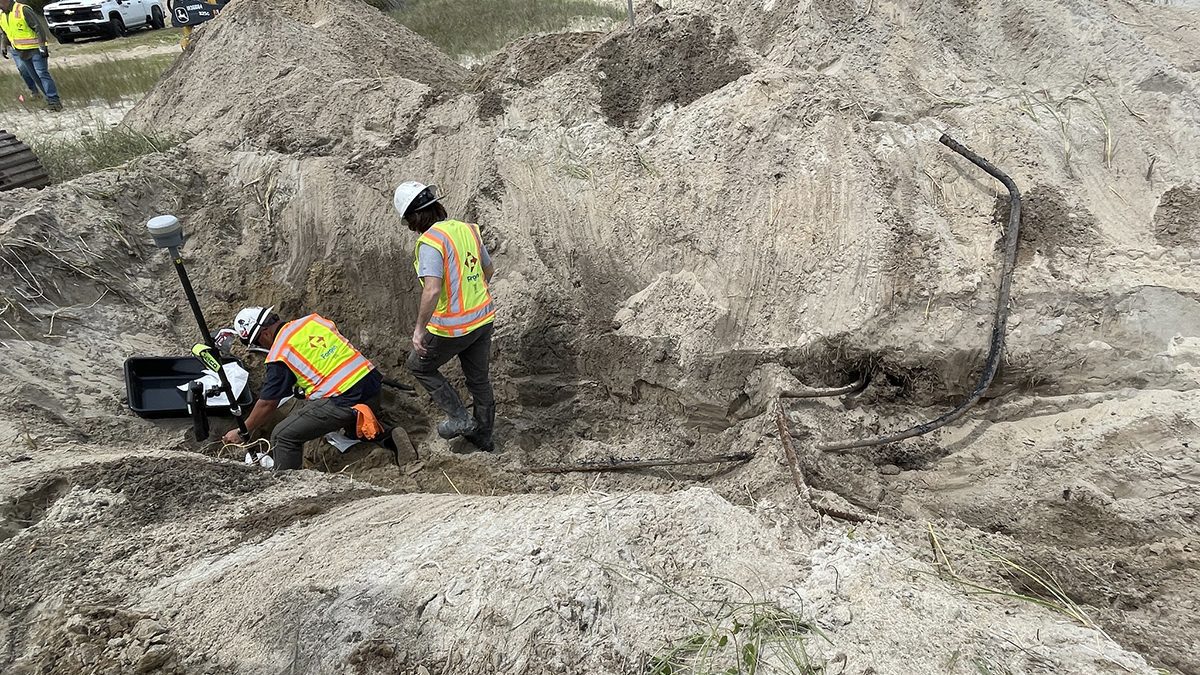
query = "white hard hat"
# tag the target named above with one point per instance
(249, 321)
(413, 196)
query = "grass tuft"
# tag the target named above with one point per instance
(101, 148)
(1045, 590)
(742, 638)
(738, 637)
(482, 27)
(107, 81)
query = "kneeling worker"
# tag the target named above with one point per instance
(341, 386)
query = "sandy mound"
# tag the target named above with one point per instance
(575, 583)
(325, 74)
(729, 201)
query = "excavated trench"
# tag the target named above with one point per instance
(690, 219)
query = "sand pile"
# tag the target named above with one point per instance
(728, 201)
(154, 570)
(298, 77)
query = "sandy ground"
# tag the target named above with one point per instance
(731, 201)
(67, 124)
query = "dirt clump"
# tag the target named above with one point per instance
(28, 507)
(1049, 222)
(529, 60)
(154, 489)
(668, 59)
(491, 104)
(105, 641)
(259, 523)
(1177, 218)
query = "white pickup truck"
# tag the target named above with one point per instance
(72, 19)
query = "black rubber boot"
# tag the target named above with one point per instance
(485, 419)
(458, 422)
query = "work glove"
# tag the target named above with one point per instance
(45, 51)
(224, 340)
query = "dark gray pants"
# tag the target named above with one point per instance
(474, 351)
(313, 420)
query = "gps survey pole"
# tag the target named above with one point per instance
(168, 233)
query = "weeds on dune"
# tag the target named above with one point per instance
(1062, 112)
(1045, 590)
(743, 639)
(739, 637)
(483, 26)
(104, 81)
(95, 150)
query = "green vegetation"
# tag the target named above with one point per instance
(100, 148)
(1044, 590)
(481, 27)
(141, 38)
(106, 81)
(745, 638)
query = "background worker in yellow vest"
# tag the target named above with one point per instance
(339, 383)
(455, 313)
(23, 35)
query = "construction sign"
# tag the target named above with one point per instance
(194, 12)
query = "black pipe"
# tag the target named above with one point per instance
(999, 322)
(234, 408)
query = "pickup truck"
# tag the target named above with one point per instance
(72, 19)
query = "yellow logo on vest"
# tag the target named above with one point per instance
(318, 342)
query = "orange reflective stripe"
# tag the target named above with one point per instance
(289, 329)
(451, 280)
(312, 340)
(456, 298)
(296, 358)
(463, 319)
(345, 372)
(473, 310)
(351, 378)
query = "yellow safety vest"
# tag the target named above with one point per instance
(465, 303)
(20, 35)
(325, 363)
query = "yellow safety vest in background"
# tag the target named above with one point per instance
(325, 363)
(20, 35)
(465, 303)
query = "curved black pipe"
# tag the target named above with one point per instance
(999, 322)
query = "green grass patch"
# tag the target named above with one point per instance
(481, 27)
(96, 149)
(105, 81)
(743, 638)
(141, 38)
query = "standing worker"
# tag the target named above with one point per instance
(24, 32)
(455, 313)
(341, 386)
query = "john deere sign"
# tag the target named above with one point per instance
(194, 13)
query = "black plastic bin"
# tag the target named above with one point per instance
(152, 382)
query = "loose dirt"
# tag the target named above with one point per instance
(729, 202)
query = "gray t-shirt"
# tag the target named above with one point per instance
(429, 260)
